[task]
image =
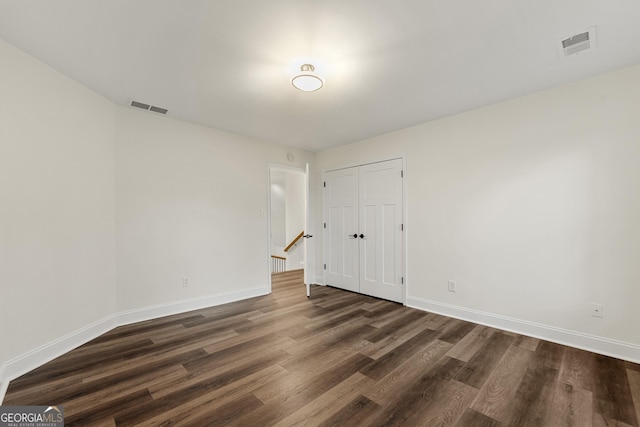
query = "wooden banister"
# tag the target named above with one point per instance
(294, 241)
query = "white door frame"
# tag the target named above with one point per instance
(276, 167)
(405, 237)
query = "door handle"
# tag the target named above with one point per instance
(306, 236)
(362, 236)
(355, 235)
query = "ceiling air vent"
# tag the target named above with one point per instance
(158, 109)
(149, 107)
(578, 43)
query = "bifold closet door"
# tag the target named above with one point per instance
(341, 225)
(380, 223)
(363, 229)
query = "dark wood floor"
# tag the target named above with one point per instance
(336, 359)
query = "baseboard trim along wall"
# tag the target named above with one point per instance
(605, 346)
(161, 310)
(26, 362)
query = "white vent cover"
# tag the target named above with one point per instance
(148, 107)
(577, 43)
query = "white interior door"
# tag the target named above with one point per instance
(363, 229)
(380, 224)
(341, 229)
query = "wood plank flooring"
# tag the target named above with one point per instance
(336, 359)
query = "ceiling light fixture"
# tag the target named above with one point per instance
(307, 80)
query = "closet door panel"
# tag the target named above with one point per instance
(380, 201)
(341, 218)
(369, 244)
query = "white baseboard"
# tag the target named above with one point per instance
(608, 347)
(26, 362)
(168, 309)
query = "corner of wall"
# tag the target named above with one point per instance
(3, 383)
(26, 362)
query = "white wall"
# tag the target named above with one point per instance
(278, 213)
(294, 189)
(104, 210)
(532, 206)
(57, 206)
(189, 202)
(295, 206)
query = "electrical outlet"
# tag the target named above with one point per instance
(185, 282)
(451, 286)
(597, 310)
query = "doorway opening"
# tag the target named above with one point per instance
(288, 220)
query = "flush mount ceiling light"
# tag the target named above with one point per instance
(307, 80)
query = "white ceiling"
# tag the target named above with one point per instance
(388, 64)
